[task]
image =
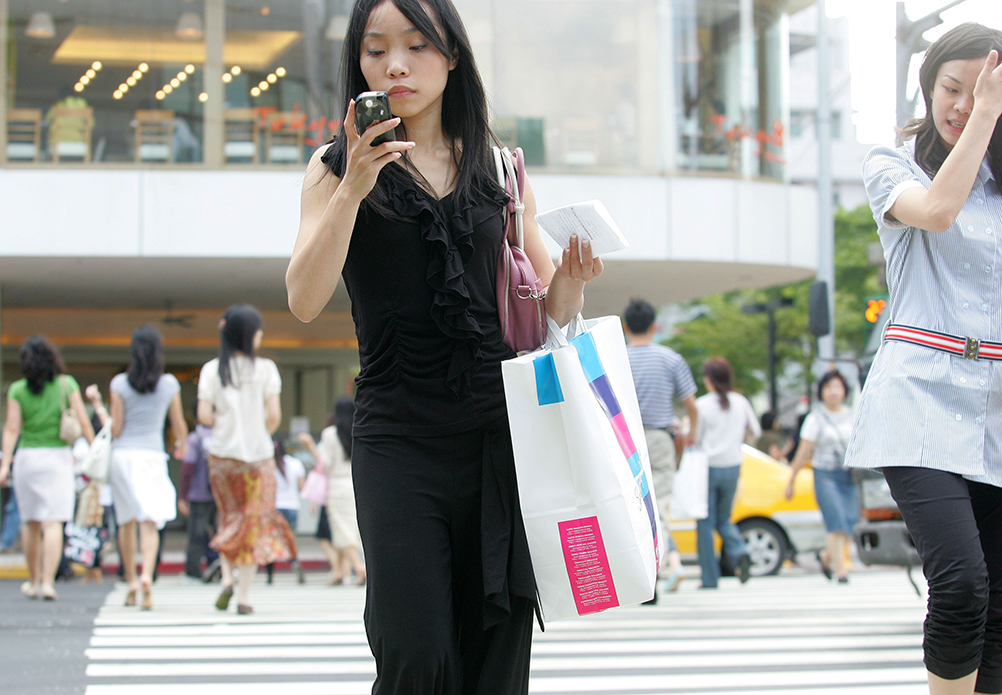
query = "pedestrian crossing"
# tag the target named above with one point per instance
(791, 635)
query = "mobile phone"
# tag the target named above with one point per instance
(370, 108)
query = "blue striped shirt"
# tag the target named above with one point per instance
(921, 407)
(660, 375)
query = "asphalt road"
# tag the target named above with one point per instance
(42, 643)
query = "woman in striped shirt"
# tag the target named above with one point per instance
(931, 413)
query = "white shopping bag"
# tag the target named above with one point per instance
(691, 486)
(583, 471)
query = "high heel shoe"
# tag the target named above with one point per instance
(825, 570)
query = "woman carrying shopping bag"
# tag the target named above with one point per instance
(415, 227)
(42, 409)
(726, 419)
(141, 400)
(238, 397)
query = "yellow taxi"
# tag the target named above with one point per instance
(774, 528)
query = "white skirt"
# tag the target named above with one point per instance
(341, 513)
(43, 484)
(141, 487)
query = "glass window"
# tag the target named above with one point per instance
(729, 69)
(568, 97)
(113, 80)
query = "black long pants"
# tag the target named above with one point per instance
(201, 522)
(957, 528)
(418, 501)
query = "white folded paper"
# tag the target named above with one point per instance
(589, 220)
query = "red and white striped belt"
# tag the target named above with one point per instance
(968, 348)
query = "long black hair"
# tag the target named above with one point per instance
(964, 42)
(40, 362)
(718, 371)
(240, 324)
(146, 363)
(464, 102)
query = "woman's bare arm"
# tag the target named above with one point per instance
(178, 427)
(11, 431)
(117, 414)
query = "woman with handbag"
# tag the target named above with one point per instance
(929, 415)
(823, 440)
(143, 496)
(238, 397)
(44, 410)
(415, 225)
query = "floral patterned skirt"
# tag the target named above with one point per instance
(250, 529)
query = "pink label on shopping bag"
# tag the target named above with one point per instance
(587, 565)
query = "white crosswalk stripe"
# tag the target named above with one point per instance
(789, 635)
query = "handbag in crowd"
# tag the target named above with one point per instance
(98, 459)
(70, 428)
(89, 511)
(520, 292)
(315, 486)
(583, 471)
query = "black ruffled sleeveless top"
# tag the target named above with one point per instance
(422, 291)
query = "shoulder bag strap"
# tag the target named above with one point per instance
(834, 427)
(508, 172)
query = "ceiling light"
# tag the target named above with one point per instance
(124, 87)
(265, 11)
(337, 27)
(85, 80)
(91, 73)
(271, 78)
(227, 77)
(167, 89)
(175, 82)
(78, 87)
(40, 26)
(203, 97)
(189, 68)
(235, 70)
(131, 81)
(117, 94)
(137, 74)
(96, 65)
(255, 92)
(143, 67)
(161, 94)
(280, 72)
(182, 76)
(189, 26)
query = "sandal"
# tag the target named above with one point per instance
(824, 568)
(49, 592)
(244, 609)
(29, 590)
(147, 604)
(130, 598)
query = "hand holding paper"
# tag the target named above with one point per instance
(589, 220)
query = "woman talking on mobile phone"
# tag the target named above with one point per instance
(415, 226)
(930, 415)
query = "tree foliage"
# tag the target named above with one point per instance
(722, 329)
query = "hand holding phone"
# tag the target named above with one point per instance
(371, 108)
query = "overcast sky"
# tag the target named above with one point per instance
(871, 37)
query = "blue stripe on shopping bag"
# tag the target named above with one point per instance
(638, 473)
(606, 397)
(548, 389)
(590, 361)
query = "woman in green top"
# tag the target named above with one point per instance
(43, 477)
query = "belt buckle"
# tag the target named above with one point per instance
(971, 348)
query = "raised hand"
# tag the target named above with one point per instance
(363, 161)
(988, 89)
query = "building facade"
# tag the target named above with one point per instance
(152, 154)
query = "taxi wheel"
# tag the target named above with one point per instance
(767, 545)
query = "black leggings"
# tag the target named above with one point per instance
(419, 514)
(957, 528)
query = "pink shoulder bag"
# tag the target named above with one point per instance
(520, 292)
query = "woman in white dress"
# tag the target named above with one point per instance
(141, 400)
(43, 470)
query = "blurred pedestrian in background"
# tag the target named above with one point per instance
(930, 415)
(238, 397)
(43, 466)
(823, 441)
(142, 399)
(195, 501)
(661, 377)
(726, 419)
(335, 452)
(772, 441)
(290, 474)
